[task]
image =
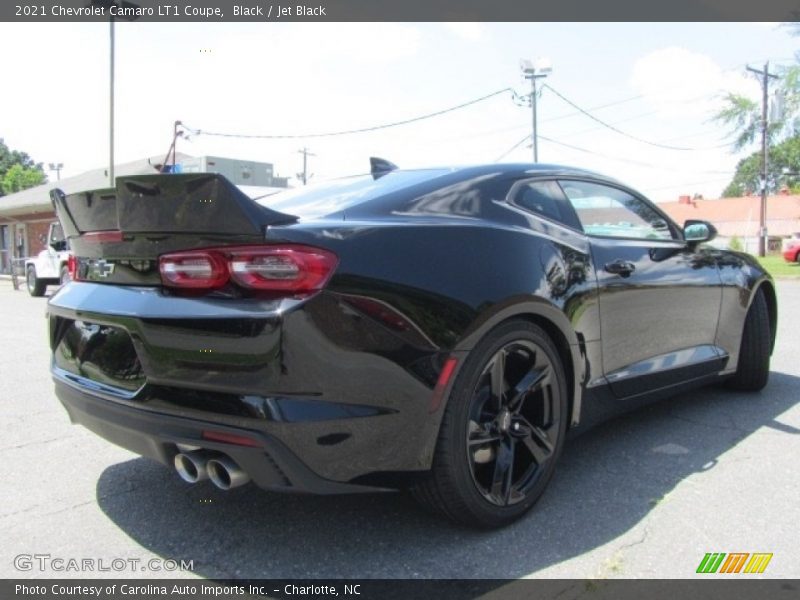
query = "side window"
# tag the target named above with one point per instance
(545, 199)
(609, 212)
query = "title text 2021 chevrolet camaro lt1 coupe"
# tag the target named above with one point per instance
(439, 329)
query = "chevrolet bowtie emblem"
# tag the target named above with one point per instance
(102, 268)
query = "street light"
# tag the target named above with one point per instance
(57, 168)
(533, 71)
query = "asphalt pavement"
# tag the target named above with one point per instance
(644, 495)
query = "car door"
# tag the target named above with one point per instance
(56, 243)
(659, 297)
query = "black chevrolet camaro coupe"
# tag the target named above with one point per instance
(439, 330)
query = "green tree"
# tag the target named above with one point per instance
(783, 169)
(19, 178)
(11, 158)
(742, 115)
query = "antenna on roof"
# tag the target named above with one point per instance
(378, 167)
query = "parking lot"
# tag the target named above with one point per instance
(645, 495)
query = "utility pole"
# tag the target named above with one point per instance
(111, 107)
(762, 220)
(534, 128)
(304, 176)
(106, 5)
(176, 133)
(542, 68)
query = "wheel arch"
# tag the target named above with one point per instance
(556, 325)
(567, 360)
(772, 308)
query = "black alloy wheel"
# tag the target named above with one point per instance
(514, 423)
(502, 430)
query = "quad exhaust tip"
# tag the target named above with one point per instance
(199, 465)
(225, 473)
(192, 466)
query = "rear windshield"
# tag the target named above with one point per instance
(315, 201)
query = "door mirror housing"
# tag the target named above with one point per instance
(695, 231)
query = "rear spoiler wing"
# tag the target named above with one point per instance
(201, 203)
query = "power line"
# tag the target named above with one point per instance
(586, 151)
(623, 101)
(548, 120)
(704, 148)
(611, 127)
(514, 147)
(598, 107)
(625, 160)
(352, 131)
(617, 158)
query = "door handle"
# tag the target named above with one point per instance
(620, 267)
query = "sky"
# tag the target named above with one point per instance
(657, 83)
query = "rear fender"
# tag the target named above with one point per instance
(557, 326)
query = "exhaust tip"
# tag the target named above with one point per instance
(191, 467)
(225, 473)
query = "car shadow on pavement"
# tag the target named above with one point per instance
(608, 480)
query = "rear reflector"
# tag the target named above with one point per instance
(229, 438)
(442, 382)
(288, 268)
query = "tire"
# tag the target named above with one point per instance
(36, 286)
(63, 277)
(501, 435)
(752, 372)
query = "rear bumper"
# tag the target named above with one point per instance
(339, 402)
(157, 436)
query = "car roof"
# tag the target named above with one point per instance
(523, 169)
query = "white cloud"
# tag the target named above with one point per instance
(472, 32)
(680, 83)
(357, 42)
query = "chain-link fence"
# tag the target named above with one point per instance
(17, 271)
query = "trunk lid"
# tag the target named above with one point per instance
(137, 218)
(117, 234)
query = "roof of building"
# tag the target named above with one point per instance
(37, 199)
(740, 216)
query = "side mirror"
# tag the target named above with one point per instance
(695, 231)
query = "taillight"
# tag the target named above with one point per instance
(194, 270)
(297, 269)
(72, 267)
(289, 268)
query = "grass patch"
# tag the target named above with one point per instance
(778, 267)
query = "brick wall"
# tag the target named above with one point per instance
(37, 236)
